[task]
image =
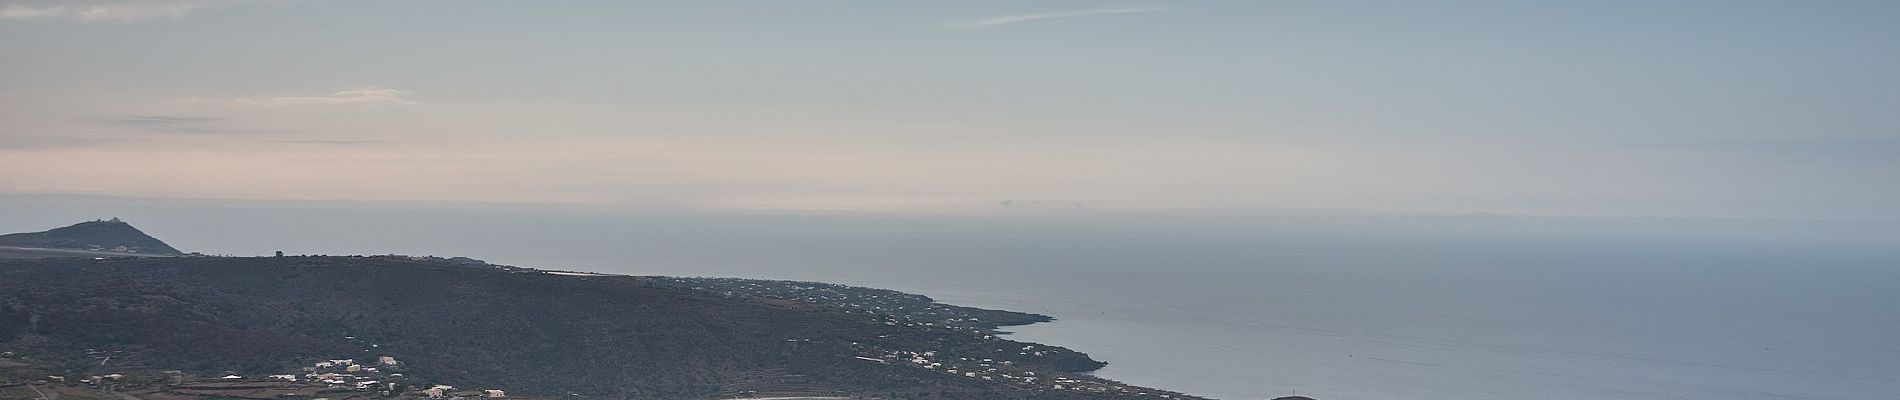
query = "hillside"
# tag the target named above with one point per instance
(99, 235)
(531, 332)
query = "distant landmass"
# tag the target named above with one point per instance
(361, 327)
(106, 235)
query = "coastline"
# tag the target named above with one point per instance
(1060, 331)
(812, 338)
(1085, 368)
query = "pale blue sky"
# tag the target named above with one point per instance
(1728, 109)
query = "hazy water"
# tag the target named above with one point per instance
(1239, 307)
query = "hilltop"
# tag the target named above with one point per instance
(113, 236)
(212, 327)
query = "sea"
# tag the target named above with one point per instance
(1231, 305)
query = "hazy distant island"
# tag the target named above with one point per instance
(133, 326)
(106, 236)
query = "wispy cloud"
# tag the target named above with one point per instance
(159, 120)
(117, 11)
(188, 125)
(169, 124)
(332, 142)
(1019, 18)
(20, 141)
(160, 129)
(370, 96)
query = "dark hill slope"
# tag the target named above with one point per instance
(526, 331)
(105, 235)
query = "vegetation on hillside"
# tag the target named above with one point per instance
(524, 330)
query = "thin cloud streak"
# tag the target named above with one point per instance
(160, 120)
(116, 11)
(189, 125)
(332, 142)
(1020, 18)
(370, 96)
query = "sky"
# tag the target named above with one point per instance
(1731, 109)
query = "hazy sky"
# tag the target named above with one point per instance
(1729, 108)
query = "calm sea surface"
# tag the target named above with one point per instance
(1241, 307)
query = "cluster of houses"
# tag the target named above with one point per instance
(381, 376)
(1102, 386)
(341, 375)
(894, 308)
(346, 373)
(968, 367)
(95, 380)
(1004, 370)
(449, 392)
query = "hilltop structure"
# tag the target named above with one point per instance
(111, 235)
